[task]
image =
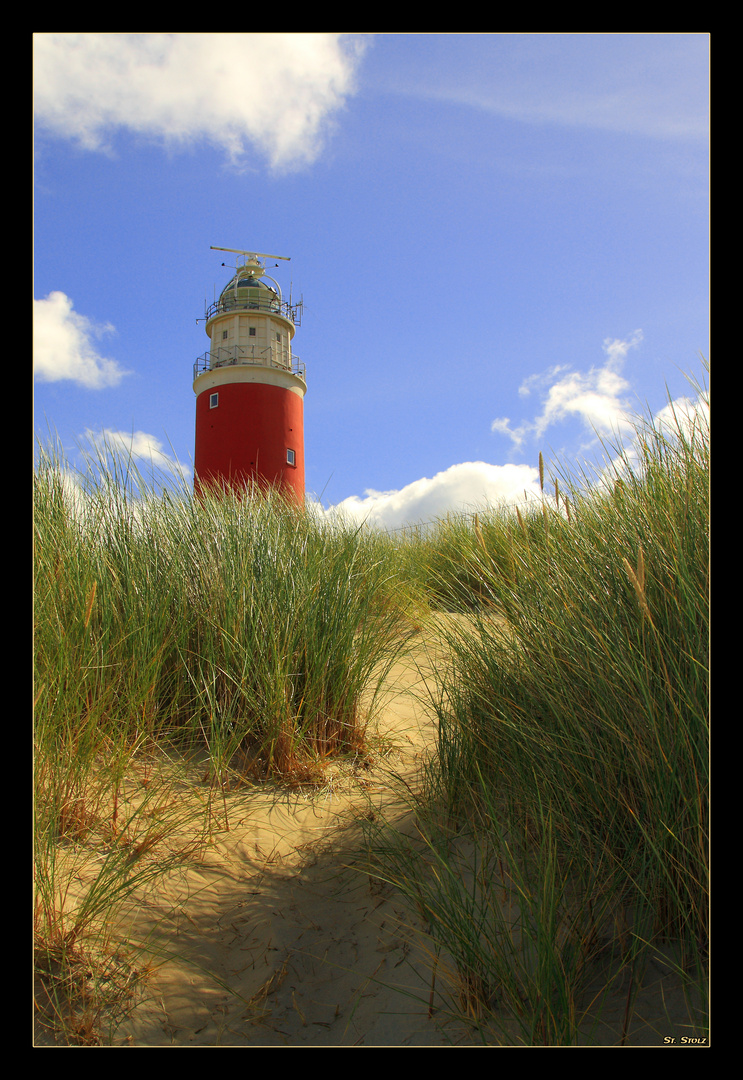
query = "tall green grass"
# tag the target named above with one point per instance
(183, 645)
(568, 815)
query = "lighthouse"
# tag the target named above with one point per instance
(249, 387)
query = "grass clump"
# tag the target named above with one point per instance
(183, 646)
(563, 851)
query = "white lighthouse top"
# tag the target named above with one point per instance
(249, 275)
(246, 291)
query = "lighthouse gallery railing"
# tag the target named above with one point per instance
(247, 354)
(269, 305)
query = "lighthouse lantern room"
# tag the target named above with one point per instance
(249, 387)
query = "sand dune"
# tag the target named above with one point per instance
(277, 937)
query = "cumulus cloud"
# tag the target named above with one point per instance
(684, 416)
(65, 345)
(139, 446)
(684, 419)
(597, 397)
(276, 93)
(463, 487)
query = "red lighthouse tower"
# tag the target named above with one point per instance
(249, 388)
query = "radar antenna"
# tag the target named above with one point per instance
(251, 254)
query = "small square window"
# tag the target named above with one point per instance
(213, 401)
(278, 336)
(224, 335)
(291, 457)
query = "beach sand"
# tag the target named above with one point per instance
(277, 937)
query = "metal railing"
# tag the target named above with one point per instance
(238, 355)
(266, 306)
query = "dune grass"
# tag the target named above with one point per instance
(182, 646)
(187, 646)
(564, 839)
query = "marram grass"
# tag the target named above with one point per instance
(226, 621)
(563, 836)
(567, 815)
(182, 642)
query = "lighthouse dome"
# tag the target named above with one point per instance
(249, 281)
(247, 290)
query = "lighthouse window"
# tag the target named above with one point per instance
(278, 336)
(251, 331)
(224, 335)
(213, 401)
(291, 457)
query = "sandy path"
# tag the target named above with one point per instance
(276, 939)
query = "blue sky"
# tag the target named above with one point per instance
(501, 242)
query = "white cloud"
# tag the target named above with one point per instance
(65, 345)
(596, 397)
(140, 446)
(274, 92)
(683, 418)
(466, 486)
